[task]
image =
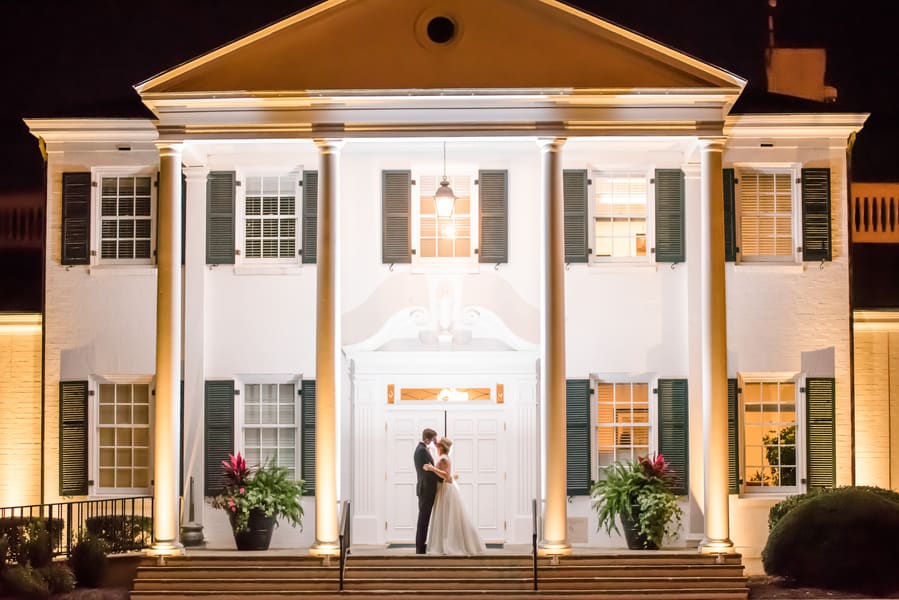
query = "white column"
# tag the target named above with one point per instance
(714, 350)
(327, 350)
(552, 352)
(167, 423)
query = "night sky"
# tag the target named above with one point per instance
(81, 58)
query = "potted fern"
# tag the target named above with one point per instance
(640, 494)
(256, 498)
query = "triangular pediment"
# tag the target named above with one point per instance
(494, 45)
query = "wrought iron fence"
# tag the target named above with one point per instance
(125, 524)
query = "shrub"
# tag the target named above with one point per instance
(17, 531)
(122, 533)
(22, 581)
(37, 550)
(89, 561)
(4, 551)
(780, 509)
(843, 539)
(59, 578)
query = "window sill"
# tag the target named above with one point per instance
(762, 267)
(110, 269)
(246, 269)
(765, 498)
(448, 268)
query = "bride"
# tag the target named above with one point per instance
(451, 531)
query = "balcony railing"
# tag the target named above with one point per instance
(874, 213)
(125, 524)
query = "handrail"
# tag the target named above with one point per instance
(344, 539)
(534, 539)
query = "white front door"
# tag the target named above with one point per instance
(477, 457)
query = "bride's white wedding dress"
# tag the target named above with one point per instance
(451, 531)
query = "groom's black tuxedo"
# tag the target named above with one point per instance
(426, 489)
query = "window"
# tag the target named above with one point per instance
(270, 218)
(769, 435)
(123, 438)
(126, 213)
(270, 425)
(620, 215)
(766, 224)
(622, 426)
(445, 239)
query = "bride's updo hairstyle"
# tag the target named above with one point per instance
(445, 444)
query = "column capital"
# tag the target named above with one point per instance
(169, 149)
(551, 144)
(329, 146)
(712, 144)
(193, 173)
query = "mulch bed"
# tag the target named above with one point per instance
(775, 588)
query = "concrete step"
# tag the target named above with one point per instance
(236, 571)
(238, 585)
(638, 594)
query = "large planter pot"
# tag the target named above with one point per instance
(257, 535)
(635, 539)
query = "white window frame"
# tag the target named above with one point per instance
(592, 186)
(94, 383)
(240, 411)
(794, 170)
(798, 380)
(97, 175)
(468, 263)
(240, 232)
(651, 383)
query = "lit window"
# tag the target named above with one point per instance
(769, 428)
(270, 425)
(446, 239)
(123, 425)
(622, 422)
(270, 223)
(766, 214)
(126, 218)
(620, 215)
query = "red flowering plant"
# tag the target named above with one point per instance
(639, 492)
(267, 488)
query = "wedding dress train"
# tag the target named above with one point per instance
(451, 531)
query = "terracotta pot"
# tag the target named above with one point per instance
(257, 535)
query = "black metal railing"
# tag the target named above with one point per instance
(534, 538)
(125, 524)
(344, 539)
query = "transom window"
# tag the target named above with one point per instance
(123, 425)
(622, 422)
(620, 214)
(769, 434)
(766, 214)
(126, 218)
(270, 425)
(442, 238)
(270, 209)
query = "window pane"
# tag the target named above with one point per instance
(766, 214)
(274, 434)
(270, 238)
(622, 426)
(769, 434)
(124, 435)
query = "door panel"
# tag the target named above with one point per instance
(476, 458)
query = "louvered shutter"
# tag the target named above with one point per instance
(493, 187)
(577, 410)
(219, 435)
(673, 430)
(310, 217)
(820, 395)
(733, 438)
(669, 211)
(76, 219)
(396, 206)
(574, 194)
(730, 221)
(307, 435)
(73, 438)
(220, 192)
(816, 244)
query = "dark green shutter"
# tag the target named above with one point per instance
(220, 192)
(76, 219)
(577, 410)
(219, 441)
(310, 217)
(73, 438)
(396, 206)
(307, 435)
(730, 221)
(674, 430)
(574, 194)
(733, 437)
(493, 187)
(816, 243)
(669, 215)
(820, 396)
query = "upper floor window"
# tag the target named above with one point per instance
(126, 218)
(445, 239)
(766, 214)
(769, 435)
(270, 218)
(622, 422)
(620, 215)
(123, 449)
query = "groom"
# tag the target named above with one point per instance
(426, 489)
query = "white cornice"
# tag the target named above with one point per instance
(794, 125)
(93, 130)
(876, 320)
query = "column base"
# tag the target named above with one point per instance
(325, 549)
(707, 546)
(165, 548)
(554, 548)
